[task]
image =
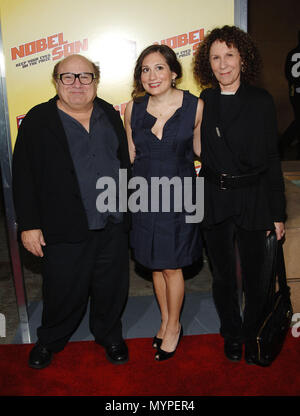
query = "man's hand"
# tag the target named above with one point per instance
(33, 240)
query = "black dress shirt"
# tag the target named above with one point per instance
(94, 155)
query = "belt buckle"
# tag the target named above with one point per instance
(222, 178)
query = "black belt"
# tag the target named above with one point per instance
(228, 181)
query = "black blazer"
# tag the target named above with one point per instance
(45, 188)
(248, 144)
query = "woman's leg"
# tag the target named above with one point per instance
(252, 245)
(174, 294)
(220, 243)
(160, 289)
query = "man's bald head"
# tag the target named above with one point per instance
(94, 68)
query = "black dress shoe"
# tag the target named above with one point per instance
(156, 343)
(117, 353)
(233, 350)
(162, 355)
(39, 357)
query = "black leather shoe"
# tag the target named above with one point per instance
(233, 350)
(39, 357)
(162, 355)
(117, 353)
(156, 343)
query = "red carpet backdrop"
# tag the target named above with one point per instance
(199, 368)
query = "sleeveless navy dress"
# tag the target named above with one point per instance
(164, 240)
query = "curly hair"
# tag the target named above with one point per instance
(233, 36)
(167, 53)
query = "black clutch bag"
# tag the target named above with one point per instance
(276, 313)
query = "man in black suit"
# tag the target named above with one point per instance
(63, 147)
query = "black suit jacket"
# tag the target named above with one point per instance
(45, 187)
(248, 144)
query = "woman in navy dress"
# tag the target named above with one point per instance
(163, 129)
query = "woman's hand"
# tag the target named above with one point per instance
(279, 230)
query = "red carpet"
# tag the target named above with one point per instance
(199, 368)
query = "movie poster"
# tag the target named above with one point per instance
(36, 35)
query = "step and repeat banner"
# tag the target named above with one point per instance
(37, 34)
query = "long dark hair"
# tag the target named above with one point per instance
(167, 53)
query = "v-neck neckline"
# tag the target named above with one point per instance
(168, 120)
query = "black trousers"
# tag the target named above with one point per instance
(95, 269)
(222, 242)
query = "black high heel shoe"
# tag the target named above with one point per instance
(162, 355)
(156, 343)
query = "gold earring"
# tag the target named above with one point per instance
(173, 83)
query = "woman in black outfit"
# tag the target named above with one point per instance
(244, 187)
